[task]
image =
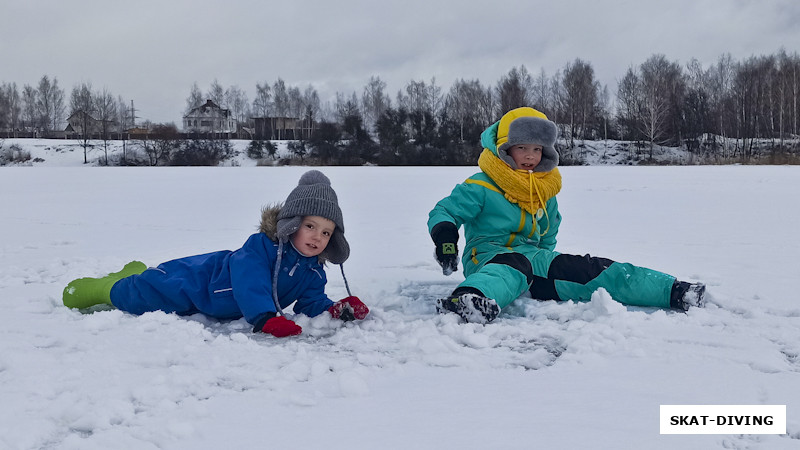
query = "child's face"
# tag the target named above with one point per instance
(313, 235)
(526, 156)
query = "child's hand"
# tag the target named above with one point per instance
(280, 326)
(350, 308)
(445, 236)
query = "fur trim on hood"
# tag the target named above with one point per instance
(269, 220)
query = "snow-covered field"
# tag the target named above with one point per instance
(543, 375)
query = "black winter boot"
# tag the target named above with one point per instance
(685, 295)
(470, 304)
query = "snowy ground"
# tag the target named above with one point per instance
(543, 375)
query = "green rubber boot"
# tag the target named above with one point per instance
(86, 292)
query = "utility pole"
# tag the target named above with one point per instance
(133, 115)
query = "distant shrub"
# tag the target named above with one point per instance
(295, 161)
(205, 152)
(298, 149)
(134, 157)
(257, 149)
(14, 154)
(270, 148)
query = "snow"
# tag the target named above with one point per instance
(543, 375)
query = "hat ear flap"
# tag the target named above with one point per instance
(338, 250)
(288, 226)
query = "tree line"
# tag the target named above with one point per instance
(729, 109)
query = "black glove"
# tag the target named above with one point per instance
(445, 236)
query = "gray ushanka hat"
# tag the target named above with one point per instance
(314, 196)
(530, 130)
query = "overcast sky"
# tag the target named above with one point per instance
(152, 52)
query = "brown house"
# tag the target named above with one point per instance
(282, 128)
(79, 119)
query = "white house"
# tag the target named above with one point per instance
(209, 118)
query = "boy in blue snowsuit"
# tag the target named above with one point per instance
(279, 265)
(510, 217)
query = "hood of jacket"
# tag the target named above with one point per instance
(269, 221)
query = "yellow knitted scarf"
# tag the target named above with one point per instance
(529, 190)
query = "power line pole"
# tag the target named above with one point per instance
(133, 115)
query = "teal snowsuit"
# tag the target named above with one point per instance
(505, 254)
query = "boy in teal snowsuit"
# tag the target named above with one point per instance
(510, 216)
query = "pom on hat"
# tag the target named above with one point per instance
(313, 177)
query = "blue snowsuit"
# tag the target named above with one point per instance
(228, 284)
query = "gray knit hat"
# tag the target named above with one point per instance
(314, 196)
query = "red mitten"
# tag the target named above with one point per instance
(349, 308)
(280, 326)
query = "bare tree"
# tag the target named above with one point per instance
(327, 111)
(696, 115)
(513, 89)
(488, 106)
(558, 102)
(262, 105)
(29, 109)
(166, 140)
(629, 104)
(541, 94)
(653, 115)
(435, 97)
(746, 99)
(58, 101)
(784, 91)
(49, 104)
(126, 120)
(82, 106)
(237, 102)
(348, 114)
(754, 87)
(794, 81)
(457, 107)
(216, 93)
(604, 108)
(274, 102)
(581, 91)
(4, 108)
(720, 78)
(415, 98)
(313, 109)
(280, 98)
(43, 105)
(346, 106)
(374, 101)
(10, 107)
(296, 108)
(106, 114)
(470, 105)
(194, 99)
(125, 115)
(420, 101)
(662, 94)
